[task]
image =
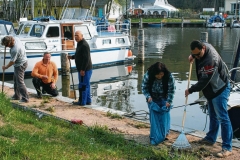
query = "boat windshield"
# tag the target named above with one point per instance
(34, 30)
(3, 30)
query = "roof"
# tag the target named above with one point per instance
(5, 22)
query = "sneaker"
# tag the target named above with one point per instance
(76, 103)
(39, 96)
(14, 98)
(23, 101)
(43, 91)
(203, 141)
(224, 153)
(89, 103)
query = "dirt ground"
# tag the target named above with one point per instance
(126, 126)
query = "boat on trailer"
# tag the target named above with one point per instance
(108, 45)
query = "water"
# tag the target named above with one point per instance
(119, 87)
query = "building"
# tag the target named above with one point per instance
(232, 6)
(152, 7)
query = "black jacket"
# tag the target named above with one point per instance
(82, 56)
(211, 73)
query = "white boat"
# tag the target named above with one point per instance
(216, 21)
(235, 24)
(107, 44)
(6, 28)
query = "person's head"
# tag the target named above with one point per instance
(7, 41)
(78, 36)
(158, 70)
(197, 49)
(46, 57)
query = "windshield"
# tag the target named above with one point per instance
(35, 30)
(3, 30)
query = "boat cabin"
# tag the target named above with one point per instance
(6, 28)
(58, 35)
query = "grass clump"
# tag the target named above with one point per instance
(25, 136)
(113, 115)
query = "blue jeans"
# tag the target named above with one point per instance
(218, 114)
(84, 88)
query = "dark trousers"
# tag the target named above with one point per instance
(20, 90)
(45, 86)
(84, 88)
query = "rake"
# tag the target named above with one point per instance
(4, 58)
(182, 142)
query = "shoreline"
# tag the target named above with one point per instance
(174, 128)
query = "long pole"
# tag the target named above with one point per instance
(3, 70)
(72, 79)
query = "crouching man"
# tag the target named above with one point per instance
(45, 75)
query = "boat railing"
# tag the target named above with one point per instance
(115, 28)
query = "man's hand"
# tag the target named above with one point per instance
(82, 73)
(69, 57)
(190, 59)
(53, 85)
(4, 68)
(186, 93)
(44, 77)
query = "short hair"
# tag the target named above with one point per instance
(196, 44)
(46, 53)
(7, 40)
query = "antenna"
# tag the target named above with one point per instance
(91, 10)
(65, 6)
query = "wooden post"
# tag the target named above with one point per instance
(231, 23)
(204, 37)
(182, 22)
(140, 45)
(206, 21)
(65, 75)
(140, 23)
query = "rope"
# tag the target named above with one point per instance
(138, 116)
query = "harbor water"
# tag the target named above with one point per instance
(119, 86)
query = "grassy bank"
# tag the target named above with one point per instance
(24, 136)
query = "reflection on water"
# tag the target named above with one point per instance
(119, 87)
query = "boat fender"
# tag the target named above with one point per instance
(129, 53)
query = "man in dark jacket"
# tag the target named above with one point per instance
(213, 82)
(84, 67)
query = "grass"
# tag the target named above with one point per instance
(23, 136)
